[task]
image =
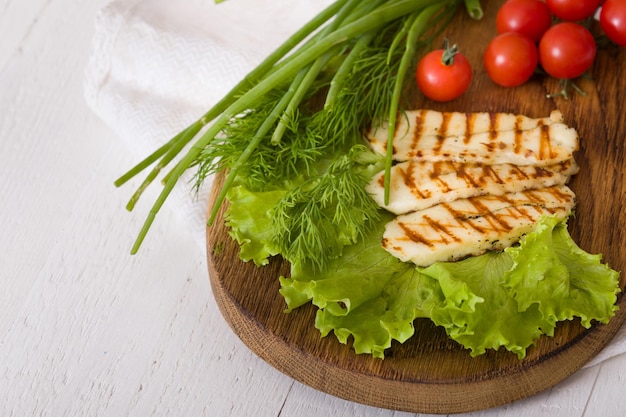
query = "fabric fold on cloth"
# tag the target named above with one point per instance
(156, 66)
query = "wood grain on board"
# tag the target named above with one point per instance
(430, 373)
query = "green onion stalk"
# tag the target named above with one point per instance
(272, 112)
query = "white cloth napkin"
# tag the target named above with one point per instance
(158, 65)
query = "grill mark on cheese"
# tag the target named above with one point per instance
(446, 235)
(438, 168)
(518, 172)
(497, 219)
(407, 176)
(518, 134)
(545, 145)
(559, 193)
(443, 185)
(493, 126)
(442, 133)
(465, 227)
(478, 137)
(445, 231)
(416, 185)
(496, 222)
(419, 126)
(471, 181)
(470, 121)
(412, 235)
(543, 173)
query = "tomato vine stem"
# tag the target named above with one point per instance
(449, 53)
(565, 84)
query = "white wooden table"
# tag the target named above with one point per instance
(88, 330)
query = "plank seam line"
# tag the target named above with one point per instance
(282, 406)
(593, 387)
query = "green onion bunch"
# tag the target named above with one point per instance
(298, 114)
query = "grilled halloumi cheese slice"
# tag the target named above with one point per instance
(433, 122)
(464, 227)
(486, 138)
(417, 185)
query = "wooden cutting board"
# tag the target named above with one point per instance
(431, 373)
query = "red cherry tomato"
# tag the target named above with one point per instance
(567, 50)
(528, 17)
(510, 59)
(573, 9)
(613, 20)
(443, 74)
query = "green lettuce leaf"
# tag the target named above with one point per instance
(497, 300)
(492, 322)
(249, 220)
(559, 278)
(366, 293)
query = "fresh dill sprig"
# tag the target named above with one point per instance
(318, 217)
(270, 164)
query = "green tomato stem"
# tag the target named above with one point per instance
(449, 53)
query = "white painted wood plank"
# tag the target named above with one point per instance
(566, 399)
(110, 334)
(304, 401)
(45, 147)
(207, 368)
(607, 397)
(88, 330)
(14, 31)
